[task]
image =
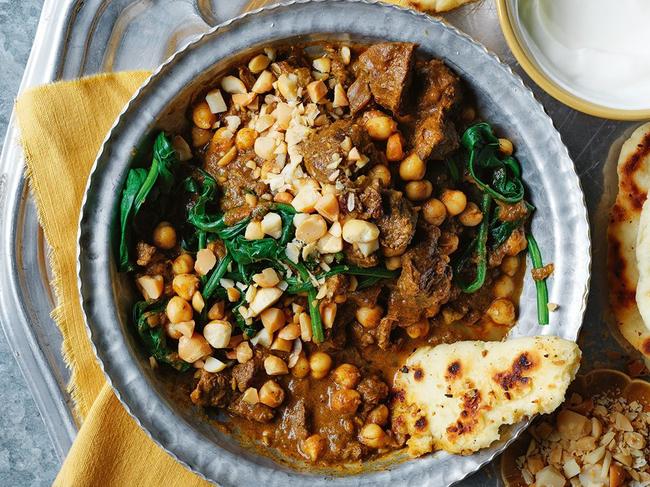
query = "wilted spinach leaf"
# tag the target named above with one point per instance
(154, 339)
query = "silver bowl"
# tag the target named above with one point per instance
(560, 225)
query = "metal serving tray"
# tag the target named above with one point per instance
(76, 38)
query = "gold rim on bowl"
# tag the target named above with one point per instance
(538, 76)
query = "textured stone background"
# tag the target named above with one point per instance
(26, 453)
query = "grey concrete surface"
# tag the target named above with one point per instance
(26, 453)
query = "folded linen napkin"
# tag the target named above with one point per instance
(62, 126)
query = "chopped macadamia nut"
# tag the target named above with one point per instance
(216, 102)
(267, 278)
(151, 286)
(316, 90)
(232, 84)
(604, 444)
(205, 261)
(306, 199)
(264, 298)
(272, 225)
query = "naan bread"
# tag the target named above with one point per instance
(623, 275)
(455, 397)
(643, 264)
(433, 6)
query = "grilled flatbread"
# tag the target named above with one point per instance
(455, 397)
(433, 6)
(624, 227)
(643, 264)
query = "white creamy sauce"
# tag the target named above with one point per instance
(598, 50)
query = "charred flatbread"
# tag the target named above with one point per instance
(455, 397)
(633, 171)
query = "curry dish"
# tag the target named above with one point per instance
(328, 210)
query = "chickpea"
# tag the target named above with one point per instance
(418, 190)
(502, 311)
(185, 285)
(510, 265)
(434, 212)
(271, 394)
(471, 215)
(164, 236)
(381, 172)
(378, 416)
(183, 264)
(503, 287)
(393, 263)
(202, 116)
(245, 138)
(275, 366)
(448, 243)
(369, 317)
(314, 447)
(419, 329)
(455, 201)
(347, 376)
(301, 369)
(259, 63)
(320, 364)
(345, 401)
(505, 147)
(222, 141)
(373, 436)
(381, 127)
(412, 168)
(178, 310)
(200, 137)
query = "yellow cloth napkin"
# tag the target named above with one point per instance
(62, 127)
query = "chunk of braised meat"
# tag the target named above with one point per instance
(397, 225)
(386, 68)
(336, 286)
(434, 137)
(259, 412)
(362, 336)
(439, 87)
(373, 391)
(235, 179)
(294, 423)
(359, 95)
(371, 202)
(324, 146)
(424, 283)
(144, 253)
(244, 374)
(212, 390)
(383, 331)
(365, 297)
(338, 69)
(434, 134)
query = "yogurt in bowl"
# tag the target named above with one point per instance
(589, 54)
